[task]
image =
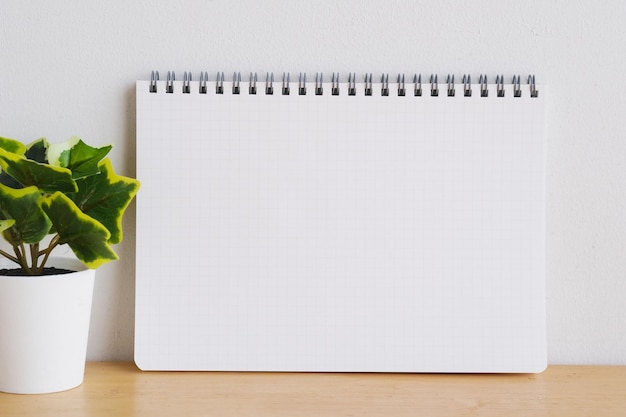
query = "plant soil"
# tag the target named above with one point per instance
(46, 271)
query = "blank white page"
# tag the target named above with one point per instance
(340, 233)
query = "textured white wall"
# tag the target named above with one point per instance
(69, 68)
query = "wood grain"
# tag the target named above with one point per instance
(120, 389)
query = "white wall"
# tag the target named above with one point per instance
(69, 68)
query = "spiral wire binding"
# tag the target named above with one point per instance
(169, 86)
(500, 85)
(384, 88)
(352, 84)
(434, 86)
(253, 81)
(204, 79)
(417, 80)
(467, 85)
(533, 87)
(269, 84)
(236, 82)
(302, 84)
(153, 81)
(451, 90)
(319, 79)
(286, 80)
(517, 88)
(219, 84)
(401, 88)
(368, 85)
(186, 80)
(335, 85)
(484, 91)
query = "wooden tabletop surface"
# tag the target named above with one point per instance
(120, 389)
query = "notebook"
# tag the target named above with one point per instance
(340, 223)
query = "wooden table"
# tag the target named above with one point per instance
(120, 389)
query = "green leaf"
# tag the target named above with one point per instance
(12, 145)
(5, 224)
(45, 177)
(77, 156)
(37, 151)
(23, 206)
(105, 197)
(16, 147)
(9, 181)
(87, 237)
(57, 155)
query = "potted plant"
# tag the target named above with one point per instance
(52, 195)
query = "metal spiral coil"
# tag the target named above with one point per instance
(335, 89)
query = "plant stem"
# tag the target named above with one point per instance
(53, 243)
(34, 254)
(9, 256)
(21, 260)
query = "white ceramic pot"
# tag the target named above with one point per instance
(44, 326)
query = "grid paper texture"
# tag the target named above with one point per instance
(340, 233)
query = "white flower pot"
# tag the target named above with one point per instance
(44, 326)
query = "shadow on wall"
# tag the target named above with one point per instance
(112, 326)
